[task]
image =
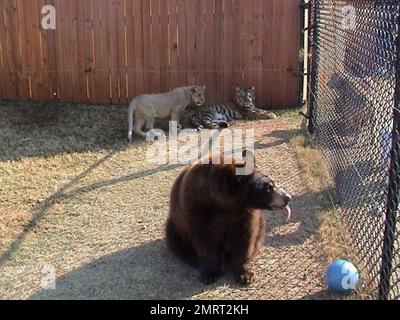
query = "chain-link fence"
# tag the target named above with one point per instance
(353, 109)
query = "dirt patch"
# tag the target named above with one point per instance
(93, 212)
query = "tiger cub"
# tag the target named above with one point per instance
(220, 116)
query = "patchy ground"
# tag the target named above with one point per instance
(75, 197)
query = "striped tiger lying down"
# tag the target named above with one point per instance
(220, 116)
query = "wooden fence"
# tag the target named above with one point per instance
(108, 51)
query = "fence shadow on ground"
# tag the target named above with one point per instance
(44, 206)
(64, 193)
(280, 137)
(305, 213)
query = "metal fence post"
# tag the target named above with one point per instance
(313, 74)
(394, 188)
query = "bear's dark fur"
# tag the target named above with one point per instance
(215, 218)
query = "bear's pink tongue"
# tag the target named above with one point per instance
(288, 211)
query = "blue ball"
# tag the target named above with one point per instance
(342, 276)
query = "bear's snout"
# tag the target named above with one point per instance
(281, 202)
(286, 198)
(281, 199)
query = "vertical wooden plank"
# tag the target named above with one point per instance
(191, 41)
(101, 51)
(82, 43)
(238, 42)
(228, 50)
(277, 53)
(50, 50)
(155, 46)
(113, 49)
(99, 83)
(17, 83)
(45, 91)
(248, 44)
(59, 50)
(73, 43)
(121, 37)
(284, 53)
(106, 49)
(257, 50)
(200, 43)
(164, 46)
(72, 52)
(287, 49)
(27, 42)
(182, 43)
(147, 45)
(23, 84)
(137, 51)
(173, 46)
(209, 51)
(122, 50)
(68, 13)
(131, 38)
(268, 48)
(69, 52)
(293, 46)
(219, 62)
(16, 23)
(9, 77)
(89, 65)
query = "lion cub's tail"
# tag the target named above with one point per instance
(131, 111)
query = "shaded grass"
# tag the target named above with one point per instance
(332, 230)
(41, 130)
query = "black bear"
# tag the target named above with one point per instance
(216, 218)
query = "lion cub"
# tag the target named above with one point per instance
(147, 107)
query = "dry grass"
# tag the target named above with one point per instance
(319, 180)
(75, 196)
(332, 231)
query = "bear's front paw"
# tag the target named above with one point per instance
(209, 277)
(246, 278)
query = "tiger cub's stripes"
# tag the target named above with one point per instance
(214, 117)
(219, 116)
